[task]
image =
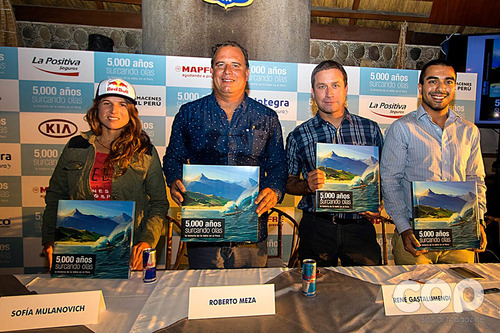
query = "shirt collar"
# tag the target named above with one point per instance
(241, 106)
(452, 116)
(318, 120)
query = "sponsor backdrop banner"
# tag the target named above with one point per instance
(44, 95)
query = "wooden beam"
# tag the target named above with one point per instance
(128, 2)
(359, 34)
(78, 16)
(479, 13)
(354, 34)
(99, 5)
(367, 15)
(355, 6)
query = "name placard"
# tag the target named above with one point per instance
(410, 297)
(231, 301)
(50, 310)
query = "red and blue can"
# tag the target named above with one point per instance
(309, 277)
(149, 265)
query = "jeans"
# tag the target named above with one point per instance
(354, 242)
(227, 255)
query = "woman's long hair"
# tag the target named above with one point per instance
(131, 141)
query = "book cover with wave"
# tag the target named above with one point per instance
(93, 239)
(352, 178)
(219, 203)
(445, 214)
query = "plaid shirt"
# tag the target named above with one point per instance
(301, 146)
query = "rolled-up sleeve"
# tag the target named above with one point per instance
(475, 171)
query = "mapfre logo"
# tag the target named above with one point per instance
(57, 128)
(39, 189)
(194, 69)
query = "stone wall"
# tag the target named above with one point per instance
(362, 54)
(75, 37)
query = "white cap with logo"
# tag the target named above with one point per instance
(117, 87)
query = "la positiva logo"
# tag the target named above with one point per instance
(57, 66)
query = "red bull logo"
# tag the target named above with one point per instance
(117, 85)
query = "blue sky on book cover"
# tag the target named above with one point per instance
(224, 192)
(447, 206)
(100, 228)
(353, 169)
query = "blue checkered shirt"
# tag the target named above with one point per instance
(301, 147)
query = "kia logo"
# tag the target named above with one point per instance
(57, 128)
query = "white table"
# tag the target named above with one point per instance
(133, 306)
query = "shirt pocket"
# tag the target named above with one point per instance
(74, 170)
(461, 153)
(258, 141)
(74, 174)
(132, 182)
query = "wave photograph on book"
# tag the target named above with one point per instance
(222, 192)
(447, 206)
(353, 169)
(103, 229)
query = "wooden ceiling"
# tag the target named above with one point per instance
(357, 20)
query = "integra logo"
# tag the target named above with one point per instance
(5, 157)
(57, 128)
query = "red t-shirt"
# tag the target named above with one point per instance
(100, 183)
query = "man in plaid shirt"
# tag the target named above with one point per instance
(328, 237)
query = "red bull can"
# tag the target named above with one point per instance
(309, 277)
(149, 265)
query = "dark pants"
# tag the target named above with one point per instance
(227, 255)
(354, 242)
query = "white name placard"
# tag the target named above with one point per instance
(410, 297)
(231, 301)
(50, 310)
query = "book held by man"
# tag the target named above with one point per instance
(93, 239)
(446, 214)
(219, 203)
(351, 178)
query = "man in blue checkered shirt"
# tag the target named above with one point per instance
(328, 237)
